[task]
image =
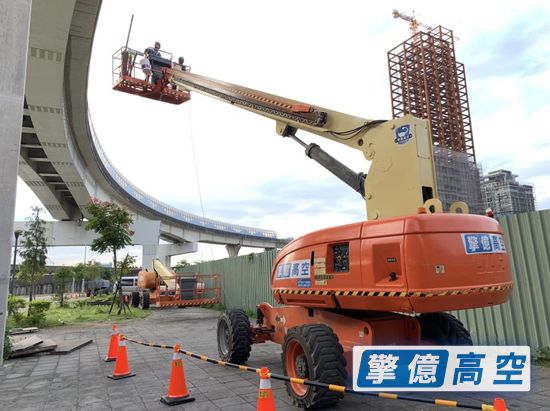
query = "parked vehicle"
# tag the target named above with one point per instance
(101, 286)
(129, 284)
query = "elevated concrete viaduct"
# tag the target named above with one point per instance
(47, 137)
(61, 158)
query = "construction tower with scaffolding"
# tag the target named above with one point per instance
(427, 82)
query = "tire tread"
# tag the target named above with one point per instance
(444, 329)
(241, 338)
(329, 364)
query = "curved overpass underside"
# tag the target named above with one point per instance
(61, 158)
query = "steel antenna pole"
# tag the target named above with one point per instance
(129, 31)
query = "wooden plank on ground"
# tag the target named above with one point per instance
(26, 330)
(68, 346)
(25, 343)
(46, 345)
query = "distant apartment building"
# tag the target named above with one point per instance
(503, 194)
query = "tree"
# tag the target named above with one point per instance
(89, 271)
(79, 275)
(94, 270)
(180, 264)
(33, 250)
(112, 223)
(107, 274)
(31, 273)
(60, 277)
(126, 264)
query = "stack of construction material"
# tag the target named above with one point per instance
(25, 345)
(21, 347)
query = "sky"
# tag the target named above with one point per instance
(205, 156)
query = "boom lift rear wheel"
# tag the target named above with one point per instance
(313, 352)
(134, 299)
(234, 336)
(443, 329)
(144, 300)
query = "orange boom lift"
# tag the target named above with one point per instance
(388, 280)
(162, 288)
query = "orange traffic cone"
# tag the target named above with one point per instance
(266, 401)
(177, 388)
(113, 345)
(499, 405)
(122, 368)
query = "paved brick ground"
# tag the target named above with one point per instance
(78, 380)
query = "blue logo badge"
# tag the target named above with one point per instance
(441, 368)
(484, 244)
(403, 134)
(402, 368)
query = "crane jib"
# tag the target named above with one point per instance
(300, 113)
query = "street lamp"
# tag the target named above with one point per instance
(17, 234)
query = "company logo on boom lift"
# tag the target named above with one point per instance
(403, 134)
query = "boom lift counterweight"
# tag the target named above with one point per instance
(387, 280)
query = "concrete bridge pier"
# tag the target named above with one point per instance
(164, 252)
(14, 37)
(233, 249)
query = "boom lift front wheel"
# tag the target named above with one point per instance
(234, 336)
(313, 352)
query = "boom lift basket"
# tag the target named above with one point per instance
(129, 80)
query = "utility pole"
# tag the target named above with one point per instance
(82, 285)
(17, 233)
(14, 31)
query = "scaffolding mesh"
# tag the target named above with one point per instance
(458, 179)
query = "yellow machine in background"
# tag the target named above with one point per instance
(163, 287)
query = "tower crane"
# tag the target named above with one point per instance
(413, 22)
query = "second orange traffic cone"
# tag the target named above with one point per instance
(177, 388)
(266, 400)
(122, 367)
(113, 345)
(499, 405)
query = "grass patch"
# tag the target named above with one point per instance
(83, 313)
(47, 313)
(542, 356)
(217, 307)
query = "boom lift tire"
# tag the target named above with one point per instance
(134, 299)
(234, 336)
(443, 329)
(144, 300)
(313, 352)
